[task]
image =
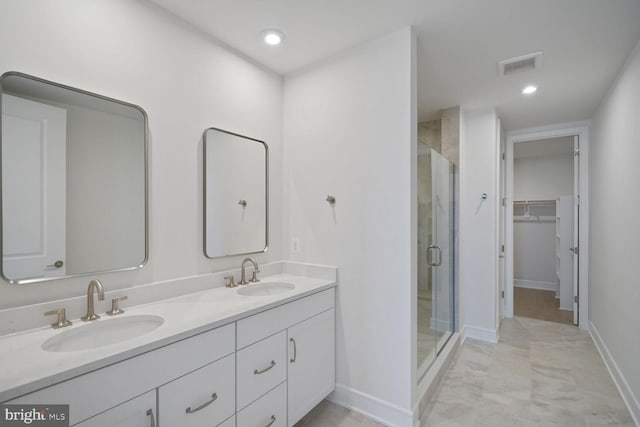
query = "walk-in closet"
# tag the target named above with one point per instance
(544, 226)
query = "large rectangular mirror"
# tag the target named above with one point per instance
(235, 194)
(74, 181)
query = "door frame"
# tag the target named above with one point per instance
(581, 129)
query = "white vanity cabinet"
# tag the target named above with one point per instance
(268, 369)
(311, 372)
(97, 391)
(309, 328)
(137, 412)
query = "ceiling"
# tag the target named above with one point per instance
(585, 44)
(544, 148)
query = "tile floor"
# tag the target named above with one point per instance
(540, 374)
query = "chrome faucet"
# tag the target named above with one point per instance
(91, 314)
(254, 277)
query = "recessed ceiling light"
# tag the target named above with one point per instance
(529, 90)
(272, 37)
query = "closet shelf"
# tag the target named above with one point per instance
(534, 202)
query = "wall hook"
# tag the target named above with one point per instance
(331, 200)
(243, 203)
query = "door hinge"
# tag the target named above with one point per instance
(504, 201)
(575, 299)
(502, 248)
(576, 152)
(502, 294)
(504, 157)
(578, 200)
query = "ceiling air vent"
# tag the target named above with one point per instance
(520, 64)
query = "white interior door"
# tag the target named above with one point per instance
(33, 188)
(576, 227)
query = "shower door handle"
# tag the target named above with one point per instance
(430, 258)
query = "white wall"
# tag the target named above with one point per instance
(135, 52)
(479, 153)
(614, 292)
(544, 177)
(350, 131)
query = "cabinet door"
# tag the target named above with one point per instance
(137, 412)
(311, 363)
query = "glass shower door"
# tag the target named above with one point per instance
(435, 255)
(442, 252)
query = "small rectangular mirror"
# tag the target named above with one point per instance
(235, 194)
(74, 181)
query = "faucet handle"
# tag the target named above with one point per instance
(254, 276)
(62, 318)
(114, 306)
(232, 281)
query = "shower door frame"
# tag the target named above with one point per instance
(441, 341)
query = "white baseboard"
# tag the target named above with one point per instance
(482, 334)
(372, 407)
(534, 284)
(627, 394)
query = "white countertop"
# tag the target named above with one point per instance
(25, 367)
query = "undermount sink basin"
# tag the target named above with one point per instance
(102, 332)
(265, 289)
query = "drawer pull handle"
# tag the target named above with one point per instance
(273, 420)
(295, 351)
(214, 396)
(256, 372)
(153, 419)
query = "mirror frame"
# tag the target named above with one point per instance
(146, 181)
(204, 194)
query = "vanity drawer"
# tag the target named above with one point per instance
(203, 397)
(138, 412)
(269, 322)
(261, 367)
(270, 410)
(117, 383)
